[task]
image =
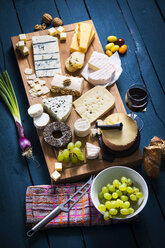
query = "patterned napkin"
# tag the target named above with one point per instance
(42, 199)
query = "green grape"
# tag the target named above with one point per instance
(119, 192)
(70, 146)
(124, 180)
(124, 198)
(74, 159)
(102, 207)
(124, 211)
(113, 211)
(129, 189)
(111, 188)
(66, 153)
(104, 189)
(67, 159)
(78, 144)
(108, 185)
(115, 195)
(129, 181)
(60, 156)
(107, 196)
(123, 187)
(131, 210)
(113, 204)
(133, 197)
(101, 195)
(135, 189)
(119, 203)
(103, 201)
(76, 150)
(108, 204)
(116, 183)
(81, 157)
(139, 194)
(106, 215)
(126, 204)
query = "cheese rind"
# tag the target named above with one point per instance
(59, 107)
(94, 103)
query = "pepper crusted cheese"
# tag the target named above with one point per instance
(94, 103)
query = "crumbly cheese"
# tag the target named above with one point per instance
(94, 103)
(55, 175)
(22, 37)
(60, 30)
(52, 31)
(28, 71)
(25, 51)
(58, 166)
(74, 86)
(63, 36)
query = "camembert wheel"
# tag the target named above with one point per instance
(120, 140)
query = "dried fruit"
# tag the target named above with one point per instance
(57, 22)
(47, 18)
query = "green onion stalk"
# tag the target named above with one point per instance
(8, 95)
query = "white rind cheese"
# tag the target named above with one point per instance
(58, 107)
(46, 55)
(92, 151)
(41, 121)
(35, 110)
(82, 127)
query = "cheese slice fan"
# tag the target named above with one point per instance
(62, 207)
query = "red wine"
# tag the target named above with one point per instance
(136, 99)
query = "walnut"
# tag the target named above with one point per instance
(67, 82)
(57, 22)
(46, 18)
(43, 26)
(38, 27)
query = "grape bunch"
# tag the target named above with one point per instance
(71, 153)
(117, 199)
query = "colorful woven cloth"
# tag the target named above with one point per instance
(41, 200)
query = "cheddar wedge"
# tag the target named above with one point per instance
(85, 30)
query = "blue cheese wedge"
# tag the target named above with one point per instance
(58, 107)
(46, 56)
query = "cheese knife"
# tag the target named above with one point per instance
(62, 207)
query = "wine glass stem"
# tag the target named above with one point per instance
(132, 115)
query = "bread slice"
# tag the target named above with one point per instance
(152, 160)
(120, 140)
(156, 141)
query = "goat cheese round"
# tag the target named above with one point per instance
(41, 121)
(82, 127)
(35, 110)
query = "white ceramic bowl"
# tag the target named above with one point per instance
(108, 175)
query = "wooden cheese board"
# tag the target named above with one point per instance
(72, 172)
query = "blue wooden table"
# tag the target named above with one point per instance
(141, 24)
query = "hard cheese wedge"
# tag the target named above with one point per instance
(94, 103)
(58, 107)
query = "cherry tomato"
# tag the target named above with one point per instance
(120, 41)
(109, 53)
(115, 48)
(112, 38)
(123, 49)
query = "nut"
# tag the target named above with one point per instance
(43, 26)
(57, 22)
(66, 82)
(38, 27)
(46, 18)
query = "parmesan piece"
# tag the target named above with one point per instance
(58, 166)
(28, 71)
(55, 175)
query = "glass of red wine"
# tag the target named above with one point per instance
(136, 100)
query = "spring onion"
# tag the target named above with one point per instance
(8, 95)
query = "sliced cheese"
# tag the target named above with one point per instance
(92, 151)
(85, 30)
(41, 121)
(58, 107)
(94, 103)
(75, 45)
(77, 60)
(82, 127)
(35, 110)
(67, 85)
